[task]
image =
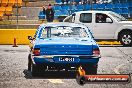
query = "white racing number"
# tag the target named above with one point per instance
(66, 59)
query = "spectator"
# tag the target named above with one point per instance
(49, 13)
(44, 9)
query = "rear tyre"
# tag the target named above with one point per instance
(29, 62)
(91, 70)
(38, 70)
(126, 38)
(34, 70)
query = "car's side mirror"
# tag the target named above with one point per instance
(30, 38)
(108, 20)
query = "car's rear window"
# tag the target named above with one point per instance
(52, 32)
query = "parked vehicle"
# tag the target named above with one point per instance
(105, 25)
(72, 46)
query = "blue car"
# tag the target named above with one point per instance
(63, 47)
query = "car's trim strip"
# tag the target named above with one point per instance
(52, 56)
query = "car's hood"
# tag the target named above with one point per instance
(80, 41)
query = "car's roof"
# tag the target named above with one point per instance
(93, 11)
(55, 24)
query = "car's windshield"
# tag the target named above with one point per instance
(63, 32)
(117, 16)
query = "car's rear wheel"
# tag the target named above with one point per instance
(29, 62)
(34, 70)
(38, 70)
(126, 38)
(90, 69)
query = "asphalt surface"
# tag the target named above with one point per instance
(14, 74)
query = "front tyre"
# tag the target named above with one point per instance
(126, 38)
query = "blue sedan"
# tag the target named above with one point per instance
(63, 47)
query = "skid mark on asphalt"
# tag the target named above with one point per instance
(55, 80)
(116, 70)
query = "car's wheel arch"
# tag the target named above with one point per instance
(121, 31)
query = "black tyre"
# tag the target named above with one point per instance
(38, 70)
(34, 70)
(29, 62)
(81, 80)
(32, 67)
(126, 38)
(90, 69)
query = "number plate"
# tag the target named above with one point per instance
(68, 59)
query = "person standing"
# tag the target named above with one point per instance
(49, 13)
(44, 9)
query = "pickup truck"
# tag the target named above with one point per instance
(104, 25)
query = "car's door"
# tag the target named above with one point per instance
(104, 27)
(86, 19)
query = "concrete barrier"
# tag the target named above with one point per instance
(7, 35)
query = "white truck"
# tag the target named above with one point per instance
(104, 25)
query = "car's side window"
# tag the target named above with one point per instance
(86, 17)
(44, 33)
(102, 18)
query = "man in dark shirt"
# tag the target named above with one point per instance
(49, 13)
(43, 9)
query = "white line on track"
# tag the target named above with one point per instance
(55, 80)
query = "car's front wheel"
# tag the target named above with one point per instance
(126, 38)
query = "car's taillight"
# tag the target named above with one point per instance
(36, 52)
(96, 52)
